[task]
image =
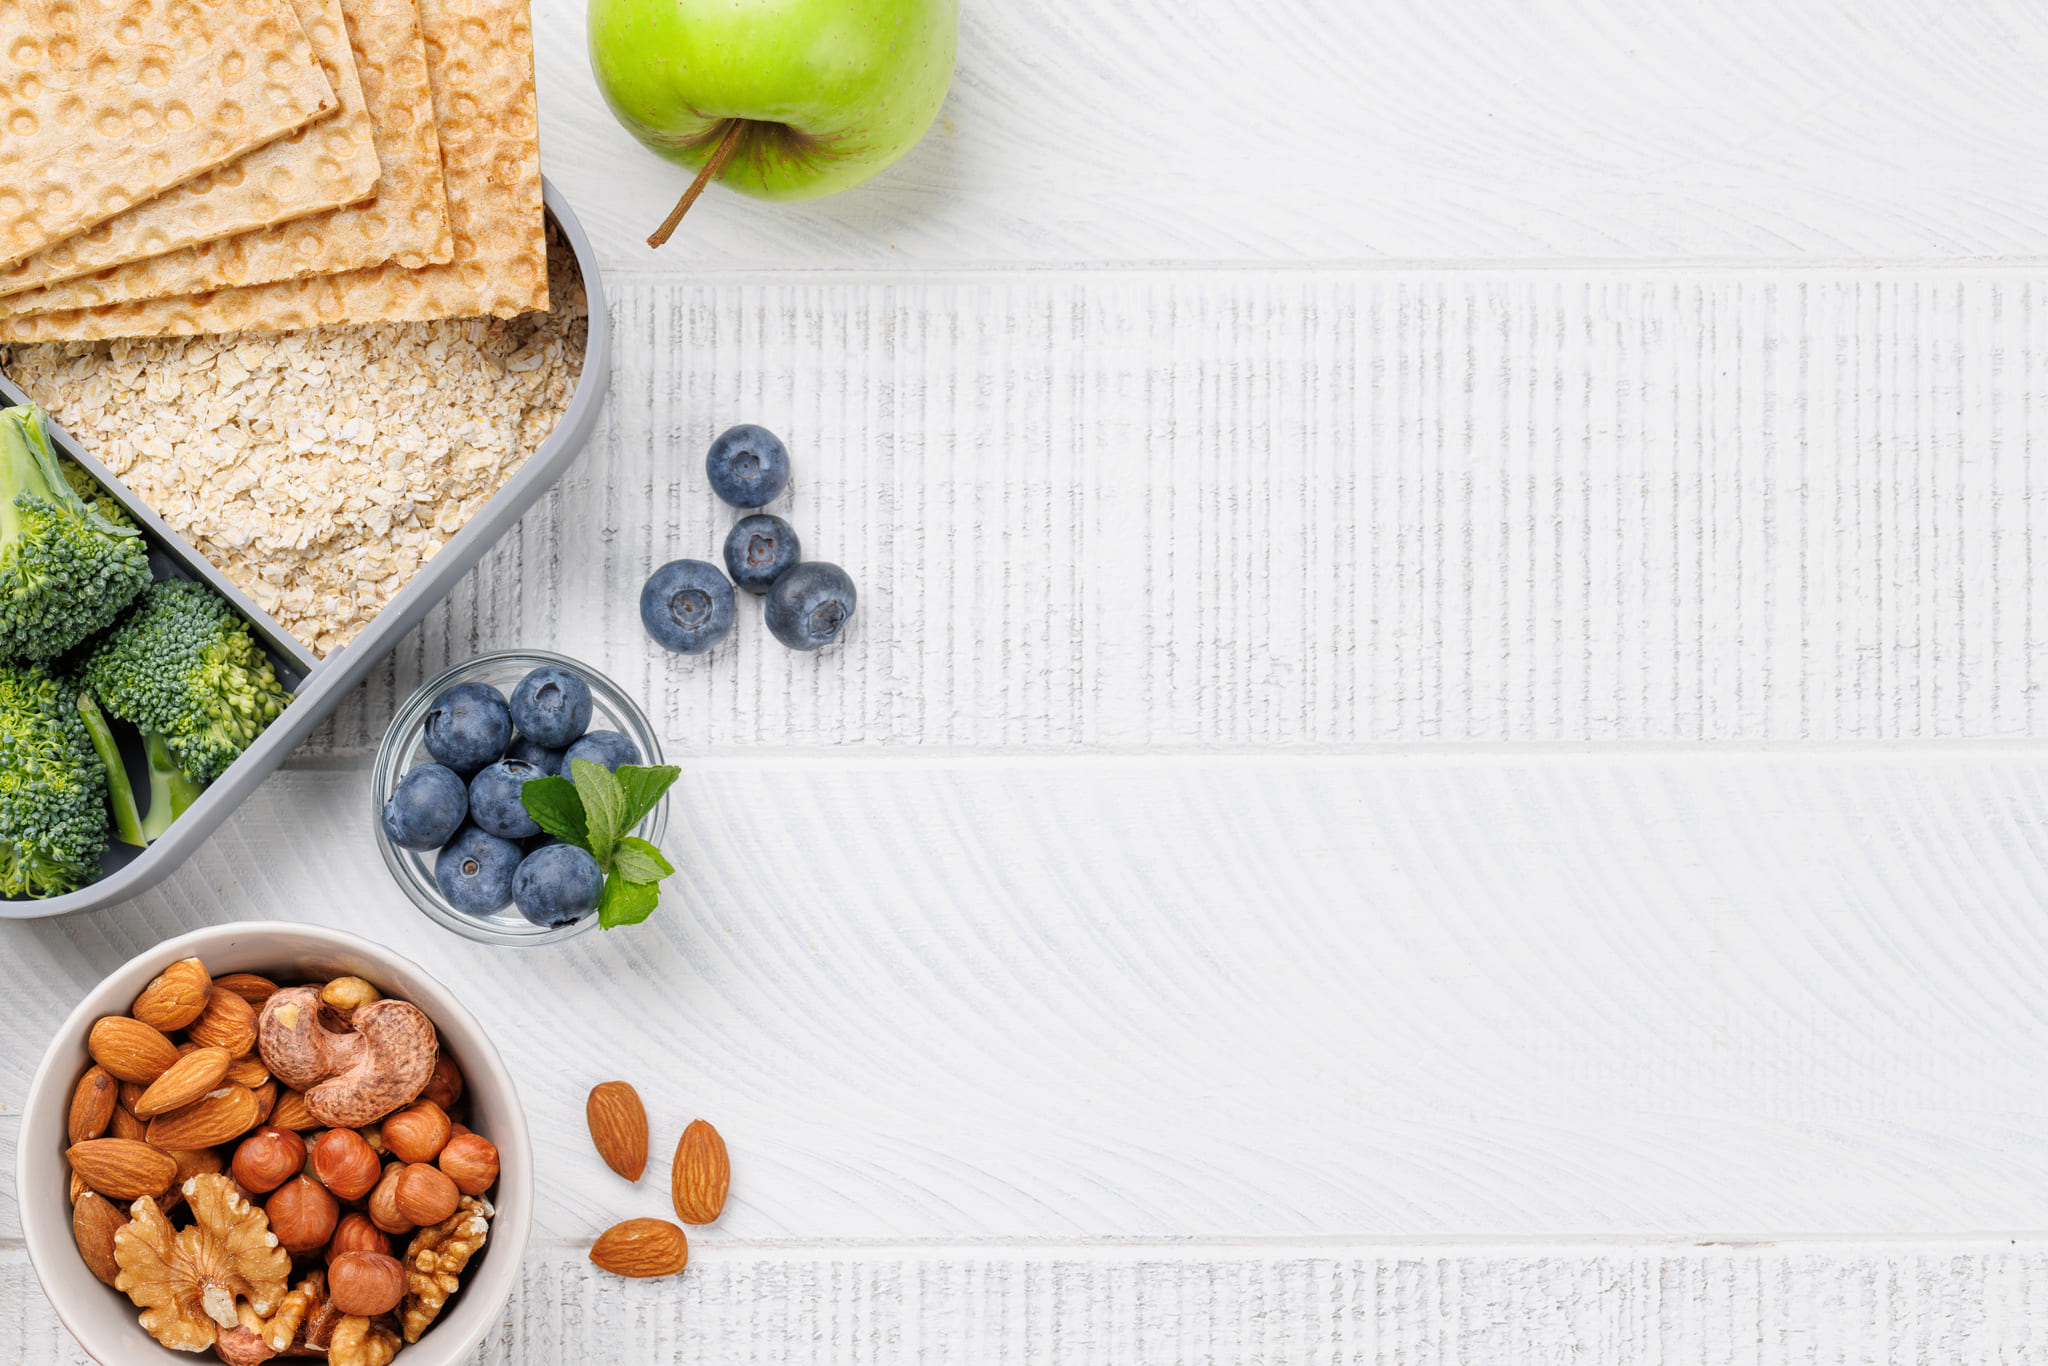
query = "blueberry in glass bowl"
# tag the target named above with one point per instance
(612, 714)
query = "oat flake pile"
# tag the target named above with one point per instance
(319, 469)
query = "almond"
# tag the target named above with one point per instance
(122, 1170)
(247, 985)
(641, 1247)
(218, 1116)
(174, 998)
(248, 1070)
(618, 1126)
(227, 1022)
(130, 1049)
(290, 1112)
(92, 1105)
(190, 1077)
(127, 1126)
(266, 1099)
(93, 1222)
(701, 1176)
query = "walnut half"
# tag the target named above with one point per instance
(435, 1261)
(187, 1281)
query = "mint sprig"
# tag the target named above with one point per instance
(593, 808)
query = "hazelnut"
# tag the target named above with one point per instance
(302, 1214)
(471, 1162)
(424, 1195)
(365, 1283)
(346, 993)
(346, 1164)
(267, 1159)
(444, 1087)
(417, 1133)
(355, 1233)
(384, 1211)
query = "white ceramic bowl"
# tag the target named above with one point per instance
(101, 1318)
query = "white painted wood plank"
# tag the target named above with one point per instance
(1262, 509)
(1122, 1304)
(1520, 992)
(1319, 130)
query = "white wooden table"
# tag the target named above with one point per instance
(1442, 758)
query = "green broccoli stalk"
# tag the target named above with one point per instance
(171, 792)
(184, 667)
(66, 571)
(53, 818)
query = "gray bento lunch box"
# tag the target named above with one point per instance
(319, 685)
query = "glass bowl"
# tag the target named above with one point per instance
(405, 747)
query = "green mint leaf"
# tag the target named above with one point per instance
(643, 788)
(635, 860)
(626, 903)
(604, 801)
(555, 807)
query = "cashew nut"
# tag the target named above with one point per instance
(354, 1077)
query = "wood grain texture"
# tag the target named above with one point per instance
(1659, 993)
(1376, 130)
(1121, 1304)
(1257, 509)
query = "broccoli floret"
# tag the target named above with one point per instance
(183, 666)
(95, 496)
(170, 790)
(53, 788)
(65, 570)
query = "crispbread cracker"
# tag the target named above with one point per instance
(107, 105)
(406, 220)
(329, 162)
(480, 64)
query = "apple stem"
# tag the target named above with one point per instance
(727, 145)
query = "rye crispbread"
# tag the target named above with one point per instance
(106, 106)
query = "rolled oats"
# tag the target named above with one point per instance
(320, 469)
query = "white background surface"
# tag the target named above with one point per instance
(1440, 760)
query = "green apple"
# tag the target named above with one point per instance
(802, 97)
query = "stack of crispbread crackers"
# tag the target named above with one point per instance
(174, 167)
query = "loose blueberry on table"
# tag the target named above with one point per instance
(809, 605)
(758, 549)
(606, 747)
(427, 807)
(687, 606)
(494, 800)
(475, 871)
(748, 466)
(551, 707)
(468, 727)
(557, 885)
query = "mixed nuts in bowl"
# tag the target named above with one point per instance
(274, 1140)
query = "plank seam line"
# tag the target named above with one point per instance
(1477, 751)
(1997, 268)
